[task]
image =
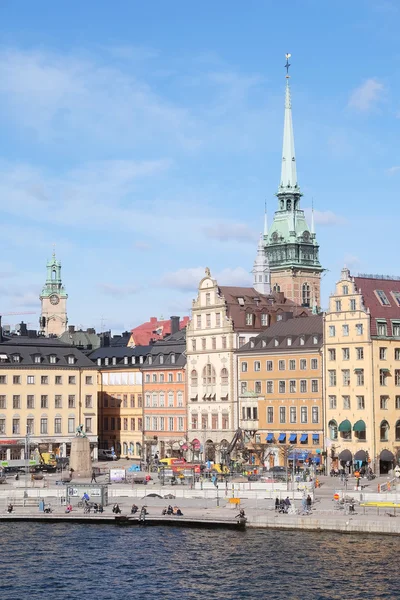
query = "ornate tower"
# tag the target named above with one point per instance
(261, 271)
(53, 319)
(291, 247)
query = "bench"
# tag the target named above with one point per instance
(381, 504)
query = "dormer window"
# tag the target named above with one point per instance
(3, 358)
(289, 341)
(99, 362)
(114, 360)
(53, 359)
(133, 360)
(315, 339)
(150, 361)
(264, 320)
(249, 319)
(172, 359)
(264, 343)
(276, 342)
(125, 360)
(106, 360)
(382, 297)
(302, 340)
(140, 360)
(241, 301)
(37, 359)
(71, 360)
(161, 359)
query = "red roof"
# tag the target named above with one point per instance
(369, 287)
(154, 330)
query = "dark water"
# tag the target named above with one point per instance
(54, 561)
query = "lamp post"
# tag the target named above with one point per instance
(26, 457)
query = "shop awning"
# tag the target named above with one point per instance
(386, 456)
(359, 426)
(316, 459)
(282, 437)
(315, 437)
(358, 370)
(293, 438)
(346, 456)
(385, 370)
(270, 437)
(361, 455)
(303, 438)
(345, 426)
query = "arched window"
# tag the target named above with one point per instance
(132, 448)
(277, 288)
(53, 275)
(306, 294)
(397, 431)
(125, 449)
(208, 375)
(333, 430)
(193, 377)
(224, 376)
(384, 430)
(162, 399)
(138, 449)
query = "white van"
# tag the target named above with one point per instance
(107, 455)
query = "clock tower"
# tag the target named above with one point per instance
(53, 319)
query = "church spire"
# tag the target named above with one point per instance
(288, 171)
(265, 220)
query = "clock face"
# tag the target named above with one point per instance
(306, 236)
(275, 236)
(54, 299)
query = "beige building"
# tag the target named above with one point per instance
(362, 372)
(53, 319)
(47, 389)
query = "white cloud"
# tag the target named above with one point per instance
(350, 260)
(393, 170)
(367, 95)
(325, 217)
(189, 279)
(111, 289)
(140, 245)
(226, 232)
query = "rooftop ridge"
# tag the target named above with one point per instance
(375, 276)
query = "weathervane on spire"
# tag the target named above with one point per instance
(287, 65)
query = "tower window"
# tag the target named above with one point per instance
(306, 294)
(277, 288)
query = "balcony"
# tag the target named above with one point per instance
(248, 415)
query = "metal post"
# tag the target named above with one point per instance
(217, 497)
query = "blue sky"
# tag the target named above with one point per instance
(144, 138)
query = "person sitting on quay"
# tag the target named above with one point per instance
(177, 511)
(134, 509)
(68, 508)
(100, 509)
(10, 508)
(241, 515)
(170, 510)
(116, 509)
(308, 504)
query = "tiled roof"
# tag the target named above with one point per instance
(120, 352)
(154, 330)
(368, 287)
(28, 348)
(173, 345)
(298, 328)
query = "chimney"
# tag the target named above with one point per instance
(91, 330)
(174, 324)
(71, 328)
(23, 330)
(153, 320)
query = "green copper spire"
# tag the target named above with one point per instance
(288, 171)
(53, 283)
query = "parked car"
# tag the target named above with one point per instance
(107, 455)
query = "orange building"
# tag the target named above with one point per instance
(164, 410)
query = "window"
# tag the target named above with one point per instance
(71, 379)
(333, 430)
(170, 399)
(303, 386)
(397, 431)
(360, 402)
(3, 402)
(331, 353)
(306, 294)
(346, 402)
(52, 359)
(208, 321)
(384, 431)
(16, 426)
(257, 387)
(208, 299)
(203, 343)
(360, 353)
(269, 365)
(223, 339)
(148, 400)
(154, 378)
(382, 353)
(382, 328)
(37, 359)
(125, 400)
(16, 379)
(282, 414)
(332, 331)
(332, 377)
(57, 401)
(147, 378)
(383, 375)
(154, 403)
(225, 421)
(3, 378)
(314, 385)
(292, 365)
(58, 380)
(345, 330)
(382, 297)
(332, 402)
(133, 424)
(289, 341)
(140, 424)
(270, 387)
(195, 421)
(397, 377)
(276, 342)
(193, 345)
(29, 426)
(57, 425)
(281, 365)
(71, 401)
(360, 376)
(125, 422)
(243, 387)
(224, 376)
(170, 377)
(384, 402)
(89, 380)
(314, 363)
(303, 414)
(198, 321)
(397, 402)
(43, 425)
(244, 367)
(16, 402)
(88, 401)
(257, 365)
(264, 320)
(214, 421)
(292, 386)
(213, 343)
(218, 319)
(293, 414)
(338, 304)
(88, 425)
(302, 340)
(193, 378)
(171, 423)
(209, 374)
(282, 387)
(345, 290)
(346, 353)
(71, 360)
(44, 402)
(249, 318)
(162, 399)
(303, 364)
(346, 376)
(352, 305)
(242, 341)
(270, 414)
(30, 379)
(359, 329)
(314, 414)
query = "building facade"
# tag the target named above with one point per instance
(47, 389)
(291, 246)
(223, 319)
(53, 319)
(164, 393)
(120, 399)
(280, 390)
(362, 372)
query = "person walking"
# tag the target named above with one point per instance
(277, 503)
(308, 503)
(93, 477)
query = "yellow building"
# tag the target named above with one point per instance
(362, 372)
(120, 399)
(280, 390)
(47, 389)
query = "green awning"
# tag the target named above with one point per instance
(359, 426)
(345, 426)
